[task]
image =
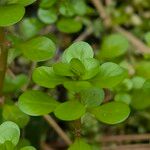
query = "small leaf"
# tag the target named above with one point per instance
(13, 84)
(92, 97)
(77, 5)
(36, 103)
(147, 38)
(77, 86)
(80, 50)
(142, 69)
(123, 97)
(66, 8)
(48, 16)
(113, 46)
(140, 97)
(62, 69)
(29, 27)
(69, 25)
(71, 110)
(13, 113)
(7, 146)
(46, 77)
(112, 112)
(38, 49)
(77, 67)
(80, 144)
(92, 68)
(137, 82)
(21, 2)
(11, 14)
(28, 148)
(9, 131)
(110, 75)
(47, 3)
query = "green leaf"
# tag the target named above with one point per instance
(92, 97)
(80, 50)
(140, 97)
(110, 75)
(36, 103)
(92, 68)
(21, 2)
(7, 146)
(13, 84)
(113, 46)
(137, 82)
(80, 144)
(66, 8)
(77, 67)
(77, 86)
(62, 69)
(9, 131)
(38, 49)
(29, 27)
(46, 77)
(112, 112)
(28, 148)
(123, 97)
(11, 14)
(69, 25)
(77, 5)
(71, 110)
(47, 3)
(142, 69)
(147, 38)
(48, 16)
(13, 113)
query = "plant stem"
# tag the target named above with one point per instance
(56, 127)
(3, 58)
(77, 128)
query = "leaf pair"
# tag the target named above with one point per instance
(36, 103)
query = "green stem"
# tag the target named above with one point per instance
(3, 58)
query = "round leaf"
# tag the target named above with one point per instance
(142, 69)
(36, 103)
(141, 97)
(30, 27)
(110, 74)
(9, 131)
(47, 3)
(48, 16)
(11, 14)
(66, 8)
(80, 50)
(92, 68)
(113, 46)
(13, 113)
(92, 97)
(79, 144)
(21, 2)
(69, 25)
(77, 86)
(46, 77)
(62, 69)
(38, 49)
(112, 112)
(71, 110)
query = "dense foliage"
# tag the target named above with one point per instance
(81, 65)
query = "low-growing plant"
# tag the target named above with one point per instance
(86, 75)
